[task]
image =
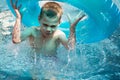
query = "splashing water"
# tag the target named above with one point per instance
(94, 61)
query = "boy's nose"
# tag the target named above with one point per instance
(48, 29)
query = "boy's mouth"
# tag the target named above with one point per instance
(48, 33)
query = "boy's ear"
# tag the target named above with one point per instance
(59, 21)
(40, 15)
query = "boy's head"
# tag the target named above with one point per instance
(51, 10)
(51, 13)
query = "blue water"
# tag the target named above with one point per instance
(92, 61)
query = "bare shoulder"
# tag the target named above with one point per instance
(35, 28)
(61, 36)
(59, 33)
(35, 31)
(31, 31)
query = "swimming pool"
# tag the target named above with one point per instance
(92, 61)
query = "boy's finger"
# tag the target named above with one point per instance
(19, 6)
(16, 3)
(80, 18)
(80, 14)
(11, 1)
(69, 18)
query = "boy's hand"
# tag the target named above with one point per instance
(16, 8)
(74, 22)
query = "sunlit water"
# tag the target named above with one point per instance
(94, 61)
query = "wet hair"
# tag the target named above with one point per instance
(51, 9)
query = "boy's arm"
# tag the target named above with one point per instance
(16, 34)
(70, 42)
(16, 30)
(63, 39)
(27, 33)
(72, 36)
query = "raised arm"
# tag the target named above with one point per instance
(72, 36)
(16, 30)
(70, 42)
(17, 36)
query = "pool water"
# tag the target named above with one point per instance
(95, 61)
(92, 61)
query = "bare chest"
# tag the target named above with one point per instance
(46, 46)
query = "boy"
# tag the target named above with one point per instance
(46, 38)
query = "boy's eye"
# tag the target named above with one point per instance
(45, 24)
(53, 26)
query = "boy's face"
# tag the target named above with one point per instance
(49, 25)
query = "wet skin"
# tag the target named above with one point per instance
(46, 38)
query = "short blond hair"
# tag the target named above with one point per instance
(51, 7)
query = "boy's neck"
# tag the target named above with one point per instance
(43, 36)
